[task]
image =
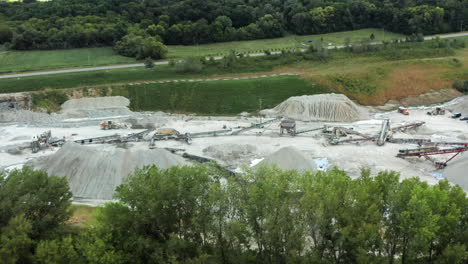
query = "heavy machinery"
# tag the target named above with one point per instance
(112, 125)
(257, 125)
(407, 126)
(437, 111)
(385, 135)
(384, 132)
(41, 141)
(289, 125)
(403, 110)
(169, 133)
(427, 152)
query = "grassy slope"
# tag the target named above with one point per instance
(17, 61)
(217, 97)
(292, 41)
(369, 78)
(106, 77)
(375, 80)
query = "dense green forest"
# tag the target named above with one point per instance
(200, 214)
(87, 23)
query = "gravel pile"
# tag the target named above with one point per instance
(26, 116)
(96, 107)
(231, 154)
(320, 107)
(456, 171)
(289, 158)
(461, 106)
(93, 172)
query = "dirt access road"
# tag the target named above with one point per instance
(122, 66)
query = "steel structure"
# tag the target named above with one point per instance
(431, 151)
(408, 126)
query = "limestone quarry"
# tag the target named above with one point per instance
(302, 133)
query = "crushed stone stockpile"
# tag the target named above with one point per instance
(320, 107)
(456, 171)
(93, 172)
(95, 107)
(26, 116)
(231, 154)
(461, 106)
(289, 158)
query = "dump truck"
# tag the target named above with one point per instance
(112, 125)
(403, 110)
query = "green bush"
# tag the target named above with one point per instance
(189, 65)
(51, 100)
(149, 63)
(141, 47)
(461, 85)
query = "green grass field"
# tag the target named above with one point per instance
(217, 97)
(108, 77)
(19, 61)
(292, 41)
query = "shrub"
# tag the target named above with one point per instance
(455, 62)
(461, 85)
(189, 65)
(149, 64)
(51, 100)
(141, 47)
(6, 34)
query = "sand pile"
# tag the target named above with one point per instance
(96, 107)
(320, 107)
(460, 106)
(289, 158)
(231, 154)
(94, 172)
(456, 171)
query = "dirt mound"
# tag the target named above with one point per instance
(289, 158)
(95, 107)
(320, 107)
(95, 171)
(456, 171)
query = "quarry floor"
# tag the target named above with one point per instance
(349, 157)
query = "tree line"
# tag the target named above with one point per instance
(200, 214)
(88, 23)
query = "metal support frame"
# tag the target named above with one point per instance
(427, 152)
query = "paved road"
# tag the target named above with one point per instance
(123, 66)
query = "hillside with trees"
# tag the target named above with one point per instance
(144, 25)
